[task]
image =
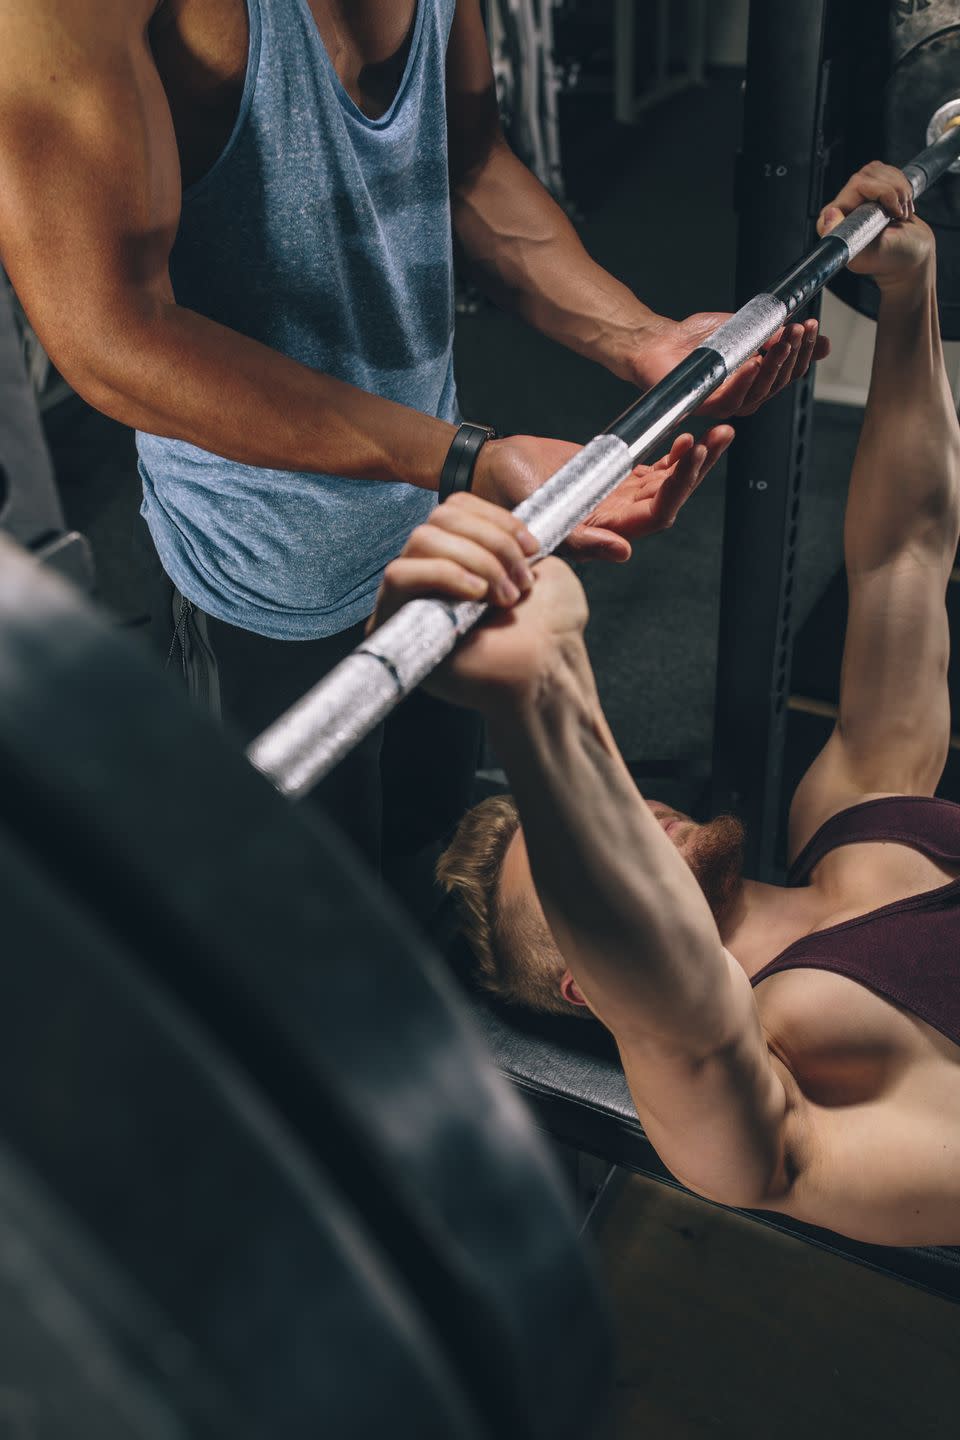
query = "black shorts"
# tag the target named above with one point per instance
(398, 795)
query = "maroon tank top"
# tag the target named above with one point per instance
(908, 951)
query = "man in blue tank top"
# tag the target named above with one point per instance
(247, 211)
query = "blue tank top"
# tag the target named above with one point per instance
(327, 236)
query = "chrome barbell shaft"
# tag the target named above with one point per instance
(312, 737)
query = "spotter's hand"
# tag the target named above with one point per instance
(787, 356)
(651, 498)
(647, 501)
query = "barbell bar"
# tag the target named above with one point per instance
(314, 735)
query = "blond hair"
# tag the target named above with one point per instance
(517, 958)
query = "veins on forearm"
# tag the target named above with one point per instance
(527, 255)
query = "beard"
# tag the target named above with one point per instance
(716, 858)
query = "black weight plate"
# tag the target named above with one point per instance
(910, 22)
(275, 936)
(68, 1362)
(924, 78)
(208, 1247)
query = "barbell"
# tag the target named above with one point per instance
(310, 739)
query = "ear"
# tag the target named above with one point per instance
(570, 990)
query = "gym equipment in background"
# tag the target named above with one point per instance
(672, 67)
(30, 507)
(244, 1081)
(50, 388)
(315, 734)
(905, 87)
(780, 188)
(521, 38)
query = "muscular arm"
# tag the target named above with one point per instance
(639, 938)
(900, 538)
(89, 209)
(520, 245)
(526, 254)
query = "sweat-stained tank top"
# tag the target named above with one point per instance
(908, 951)
(327, 236)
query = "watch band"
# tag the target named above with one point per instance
(457, 472)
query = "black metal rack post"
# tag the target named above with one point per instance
(778, 189)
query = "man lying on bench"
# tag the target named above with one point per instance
(793, 1049)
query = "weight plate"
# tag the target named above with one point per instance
(208, 1247)
(926, 77)
(264, 927)
(924, 80)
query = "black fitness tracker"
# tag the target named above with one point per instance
(457, 472)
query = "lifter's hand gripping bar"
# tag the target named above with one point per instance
(306, 742)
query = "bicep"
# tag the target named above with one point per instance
(724, 1124)
(89, 170)
(893, 724)
(473, 117)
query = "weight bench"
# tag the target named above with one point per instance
(570, 1076)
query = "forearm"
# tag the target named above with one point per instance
(172, 372)
(628, 915)
(905, 487)
(525, 253)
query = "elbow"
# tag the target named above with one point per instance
(104, 366)
(88, 381)
(84, 368)
(105, 392)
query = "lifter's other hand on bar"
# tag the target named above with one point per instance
(906, 247)
(648, 500)
(787, 356)
(469, 549)
(472, 550)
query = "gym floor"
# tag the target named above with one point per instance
(725, 1329)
